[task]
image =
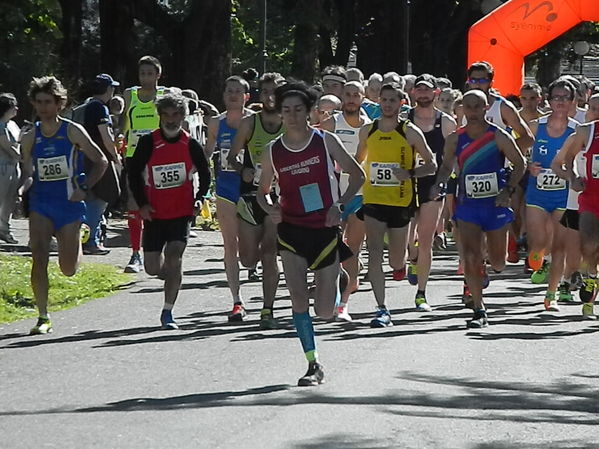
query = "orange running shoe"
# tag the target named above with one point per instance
(535, 260)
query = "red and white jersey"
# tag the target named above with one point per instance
(589, 198)
(308, 182)
(168, 175)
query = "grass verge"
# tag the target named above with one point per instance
(16, 297)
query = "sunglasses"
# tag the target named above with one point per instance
(478, 80)
(560, 98)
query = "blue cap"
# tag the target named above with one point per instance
(107, 80)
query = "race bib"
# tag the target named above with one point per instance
(168, 176)
(482, 186)
(548, 180)
(53, 169)
(257, 174)
(381, 174)
(225, 149)
(595, 166)
(311, 198)
(136, 134)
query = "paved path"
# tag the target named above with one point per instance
(108, 378)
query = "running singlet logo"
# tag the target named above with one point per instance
(52, 169)
(482, 186)
(381, 174)
(549, 181)
(168, 176)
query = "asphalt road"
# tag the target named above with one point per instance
(109, 378)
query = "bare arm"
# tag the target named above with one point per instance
(10, 148)
(362, 147)
(265, 186)
(448, 125)
(563, 162)
(78, 136)
(212, 134)
(507, 145)
(108, 140)
(125, 125)
(512, 118)
(27, 141)
(449, 158)
(348, 164)
(417, 140)
(328, 124)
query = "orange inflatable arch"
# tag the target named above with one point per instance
(518, 28)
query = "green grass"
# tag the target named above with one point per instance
(16, 297)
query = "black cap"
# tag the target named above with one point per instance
(427, 80)
(106, 80)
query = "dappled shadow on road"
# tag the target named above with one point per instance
(564, 401)
(343, 441)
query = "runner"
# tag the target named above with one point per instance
(160, 175)
(546, 193)
(436, 126)
(483, 196)
(585, 142)
(333, 78)
(388, 148)
(531, 96)
(221, 133)
(140, 118)
(52, 153)
(371, 100)
(257, 232)
(346, 125)
(325, 108)
(308, 212)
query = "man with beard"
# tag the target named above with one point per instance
(388, 148)
(160, 176)
(346, 125)
(436, 126)
(257, 232)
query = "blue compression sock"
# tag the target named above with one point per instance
(305, 332)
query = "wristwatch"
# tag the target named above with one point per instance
(340, 206)
(84, 187)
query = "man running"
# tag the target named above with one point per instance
(52, 153)
(388, 148)
(546, 193)
(436, 126)
(257, 232)
(346, 125)
(160, 176)
(531, 96)
(221, 133)
(483, 195)
(308, 212)
(585, 142)
(140, 117)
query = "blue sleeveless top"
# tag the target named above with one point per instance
(56, 164)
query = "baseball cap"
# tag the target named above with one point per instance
(107, 80)
(427, 80)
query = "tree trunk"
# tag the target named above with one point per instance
(306, 40)
(117, 40)
(70, 51)
(346, 20)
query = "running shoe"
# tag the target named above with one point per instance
(550, 302)
(540, 276)
(421, 304)
(253, 275)
(413, 273)
(43, 326)
(399, 275)
(8, 237)
(587, 291)
(342, 314)
(588, 311)
(439, 242)
(467, 297)
(576, 281)
(238, 313)
(565, 294)
(135, 264)
(382, 318)
(479, 320)
(535, 260)
(99, 250)
(267, 320)
(167, 321)
(313, 377)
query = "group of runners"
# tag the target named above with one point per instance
(319, 175)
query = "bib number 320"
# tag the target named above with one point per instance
(481, 186)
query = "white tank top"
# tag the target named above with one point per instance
(350, 137)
